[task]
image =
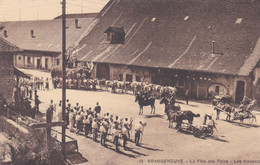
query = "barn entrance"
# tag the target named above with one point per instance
(193, 92)
(38, 65)
(240, 91)
(103, 71)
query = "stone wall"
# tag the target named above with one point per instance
(6, 76)
(12, 128)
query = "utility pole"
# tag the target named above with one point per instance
(64, 62)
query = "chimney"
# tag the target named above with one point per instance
(5, 33)
(77, 23)
(32, 34)
(213, 47)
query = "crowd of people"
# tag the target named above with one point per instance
(94, 124)
(82, 82)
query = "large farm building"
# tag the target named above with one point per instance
(203, 45)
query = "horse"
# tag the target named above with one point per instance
(168, 106)
(227, 108)
(179, 116)
(145, 102)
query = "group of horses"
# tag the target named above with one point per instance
(173, 112)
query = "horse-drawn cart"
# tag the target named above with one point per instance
(237, 114)
(197, 131)
(247, 116)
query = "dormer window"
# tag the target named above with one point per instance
(115, 35)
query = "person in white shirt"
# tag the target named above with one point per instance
(71, 121)
(94, 129)
(59, 113)
(103, 130)
(138, 132)
(124, 135)
(87, 125)
(78, 122)
(116, 136)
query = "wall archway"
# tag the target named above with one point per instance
(217, 88)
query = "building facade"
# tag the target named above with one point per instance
(7, 50)
(41, 40)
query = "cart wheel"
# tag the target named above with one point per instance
(210, 132)
(196, 133)
(252, 119)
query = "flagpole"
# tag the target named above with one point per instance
(64, 61)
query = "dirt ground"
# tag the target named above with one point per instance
(231, 143)
(160, 144)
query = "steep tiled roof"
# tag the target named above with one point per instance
(47, 33)
(5, 46)
(178, 34)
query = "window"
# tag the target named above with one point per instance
(28, 60)
(115, 35)
(58, 62)
(120, 77)
(19, 58)
(129, 78)
(109, 36)
(137, 78)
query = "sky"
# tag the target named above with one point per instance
(19, 10)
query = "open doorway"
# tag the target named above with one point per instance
(240, 91)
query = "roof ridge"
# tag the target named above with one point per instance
(251, 61)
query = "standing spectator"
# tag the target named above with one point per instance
(84, 83)
(75, 84)
(116, 136)
(37, 103)
(78, 123)
(94, 129)
(59, 112)
(47, 84)
(71, 121)
(187, 96)
(87, 124)
(218, 113)
(69, 83)
(30, 92)
(103, 130)
(27, 90)
(77, 107)
(41, 84)
(138, 132)
(33, 112)
(124, 135)
(22, 91)
(97, 108)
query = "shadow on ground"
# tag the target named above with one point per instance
(245, 125)
(154, 116)
(214, 137)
